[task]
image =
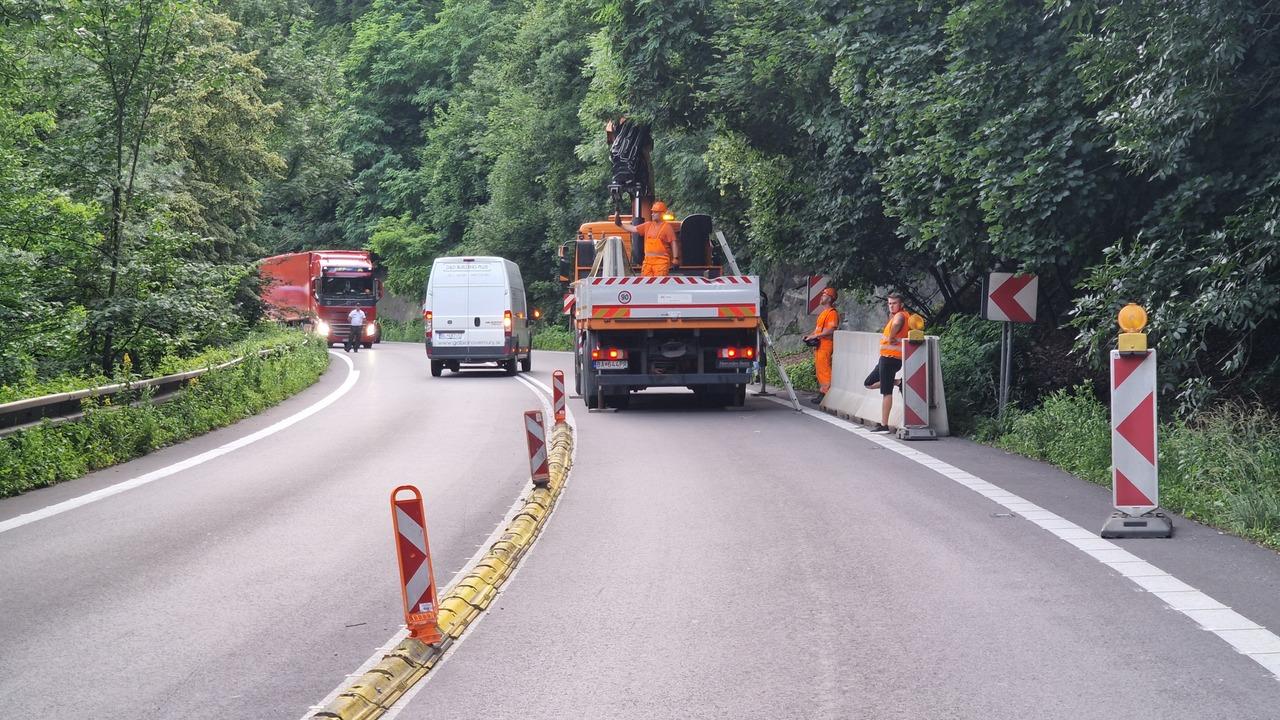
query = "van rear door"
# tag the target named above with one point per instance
(487, 305)
(450, 316)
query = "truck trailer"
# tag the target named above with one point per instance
(320, 288)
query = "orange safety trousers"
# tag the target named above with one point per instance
(822, 364)
(656, 266)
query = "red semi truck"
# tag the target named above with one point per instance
(321, 287)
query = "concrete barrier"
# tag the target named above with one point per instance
(855, 354)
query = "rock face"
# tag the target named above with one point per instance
(789, 319)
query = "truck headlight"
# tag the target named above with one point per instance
(322, 327)
(370, 329)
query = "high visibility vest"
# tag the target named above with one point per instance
(658, 238)
(891, 345)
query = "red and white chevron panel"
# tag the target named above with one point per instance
(1134, 468)
(1011, 298)
(915, 384)
(536, 435)
(567, 308)
(417, 579)
(557, 395)
(817, 283)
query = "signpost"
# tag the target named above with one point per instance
(1009, 298)
(817, 283)
(417, 579)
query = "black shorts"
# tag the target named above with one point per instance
(887, 368)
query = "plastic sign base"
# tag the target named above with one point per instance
(917, 433)
(1148, 525)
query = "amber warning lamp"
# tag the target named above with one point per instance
(1132, 319)
(916, 325)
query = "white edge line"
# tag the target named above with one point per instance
(125, 485)
(1154, 580)
(481, 551)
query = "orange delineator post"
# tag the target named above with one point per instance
(417, 577)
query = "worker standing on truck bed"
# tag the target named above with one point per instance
(661, 251)
(822, 339)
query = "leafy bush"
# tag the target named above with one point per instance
(970, 350)
(800, 371)
(113, 431)
(553, 337)
(402, 330)
(267, 335)
(1070, 429)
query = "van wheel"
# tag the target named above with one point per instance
(509, 366)
(526, 363)
(437, 367)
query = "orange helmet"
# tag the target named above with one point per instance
(658, 207)
(829, 292)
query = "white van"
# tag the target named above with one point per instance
(475, 312)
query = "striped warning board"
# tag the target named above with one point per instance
(536, 434)
(817, 283)
(915, 384)
(568, 304)
(557, 395)
(1135, 471)
(417, 579)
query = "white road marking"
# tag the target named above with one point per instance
(1247, 637)
(481, 551)
(164, 472)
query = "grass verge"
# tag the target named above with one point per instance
(113, 431)
(1221, 468)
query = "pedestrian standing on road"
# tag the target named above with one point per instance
(890, 362)
(356, 318)
(661, 250)
(822, 340)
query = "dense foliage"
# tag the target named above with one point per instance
(1121, 149)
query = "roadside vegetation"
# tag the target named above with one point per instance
(124, 426)
(401, 330)
(553, 337)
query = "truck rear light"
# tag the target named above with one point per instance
(506, 322)
(738, 353)
(608, 354)
(426, 320)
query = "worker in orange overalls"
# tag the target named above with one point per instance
(661, 250)
(890, 362)
(822, 339)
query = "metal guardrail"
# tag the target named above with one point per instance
(61, 407)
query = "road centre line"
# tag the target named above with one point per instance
(1247, 637)
(123, 486)
(481, 550)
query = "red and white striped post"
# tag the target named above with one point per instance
(417, 578)
(915, 383)
(1135, 486)
(536, 435)
(557, 395)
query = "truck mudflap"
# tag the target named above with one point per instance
(673, 379)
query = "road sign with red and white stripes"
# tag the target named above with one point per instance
(557, 395)
(568, 304)
(1010, 297)
(915, 384)
(536, 434)
(417, 578)
(817, 283)
(1134, 468)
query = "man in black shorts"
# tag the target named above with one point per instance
(882, 375)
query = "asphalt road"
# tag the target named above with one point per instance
(755, 563)
(739, 563)
(251, 585)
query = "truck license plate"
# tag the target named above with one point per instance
(610, 364)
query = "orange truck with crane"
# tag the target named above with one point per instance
(320, 288)
(695, 328)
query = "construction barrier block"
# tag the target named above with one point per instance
(349, 707)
